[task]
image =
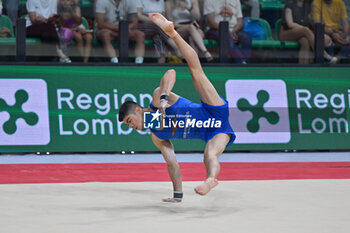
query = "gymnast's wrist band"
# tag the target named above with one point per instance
(178, 195)
(164, 97)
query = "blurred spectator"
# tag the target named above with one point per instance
(4, 31)
(347, 5)
(254, 7)
(108, 14)
(229, 10)
(295, 27)
(12, 10)
(152, 30)
(71, 27)
(331, 12)
(42, 22)
(185, 14)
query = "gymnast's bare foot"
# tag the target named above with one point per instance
(206, 186)
(163, 23)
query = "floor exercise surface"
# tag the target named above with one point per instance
(257, 193)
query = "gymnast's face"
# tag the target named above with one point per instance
(134, 120)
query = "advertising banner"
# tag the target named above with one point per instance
(75, 108)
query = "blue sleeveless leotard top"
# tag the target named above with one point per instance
(188, 120)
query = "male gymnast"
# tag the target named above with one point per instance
(213, 110)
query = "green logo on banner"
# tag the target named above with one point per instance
(24, 112)
(258, 111)
(16, 112)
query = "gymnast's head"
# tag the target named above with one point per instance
(131, 114)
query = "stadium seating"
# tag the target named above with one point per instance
(85, 3)
(269, 42)
(271, 4)
(6, 22)
(85, 22)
